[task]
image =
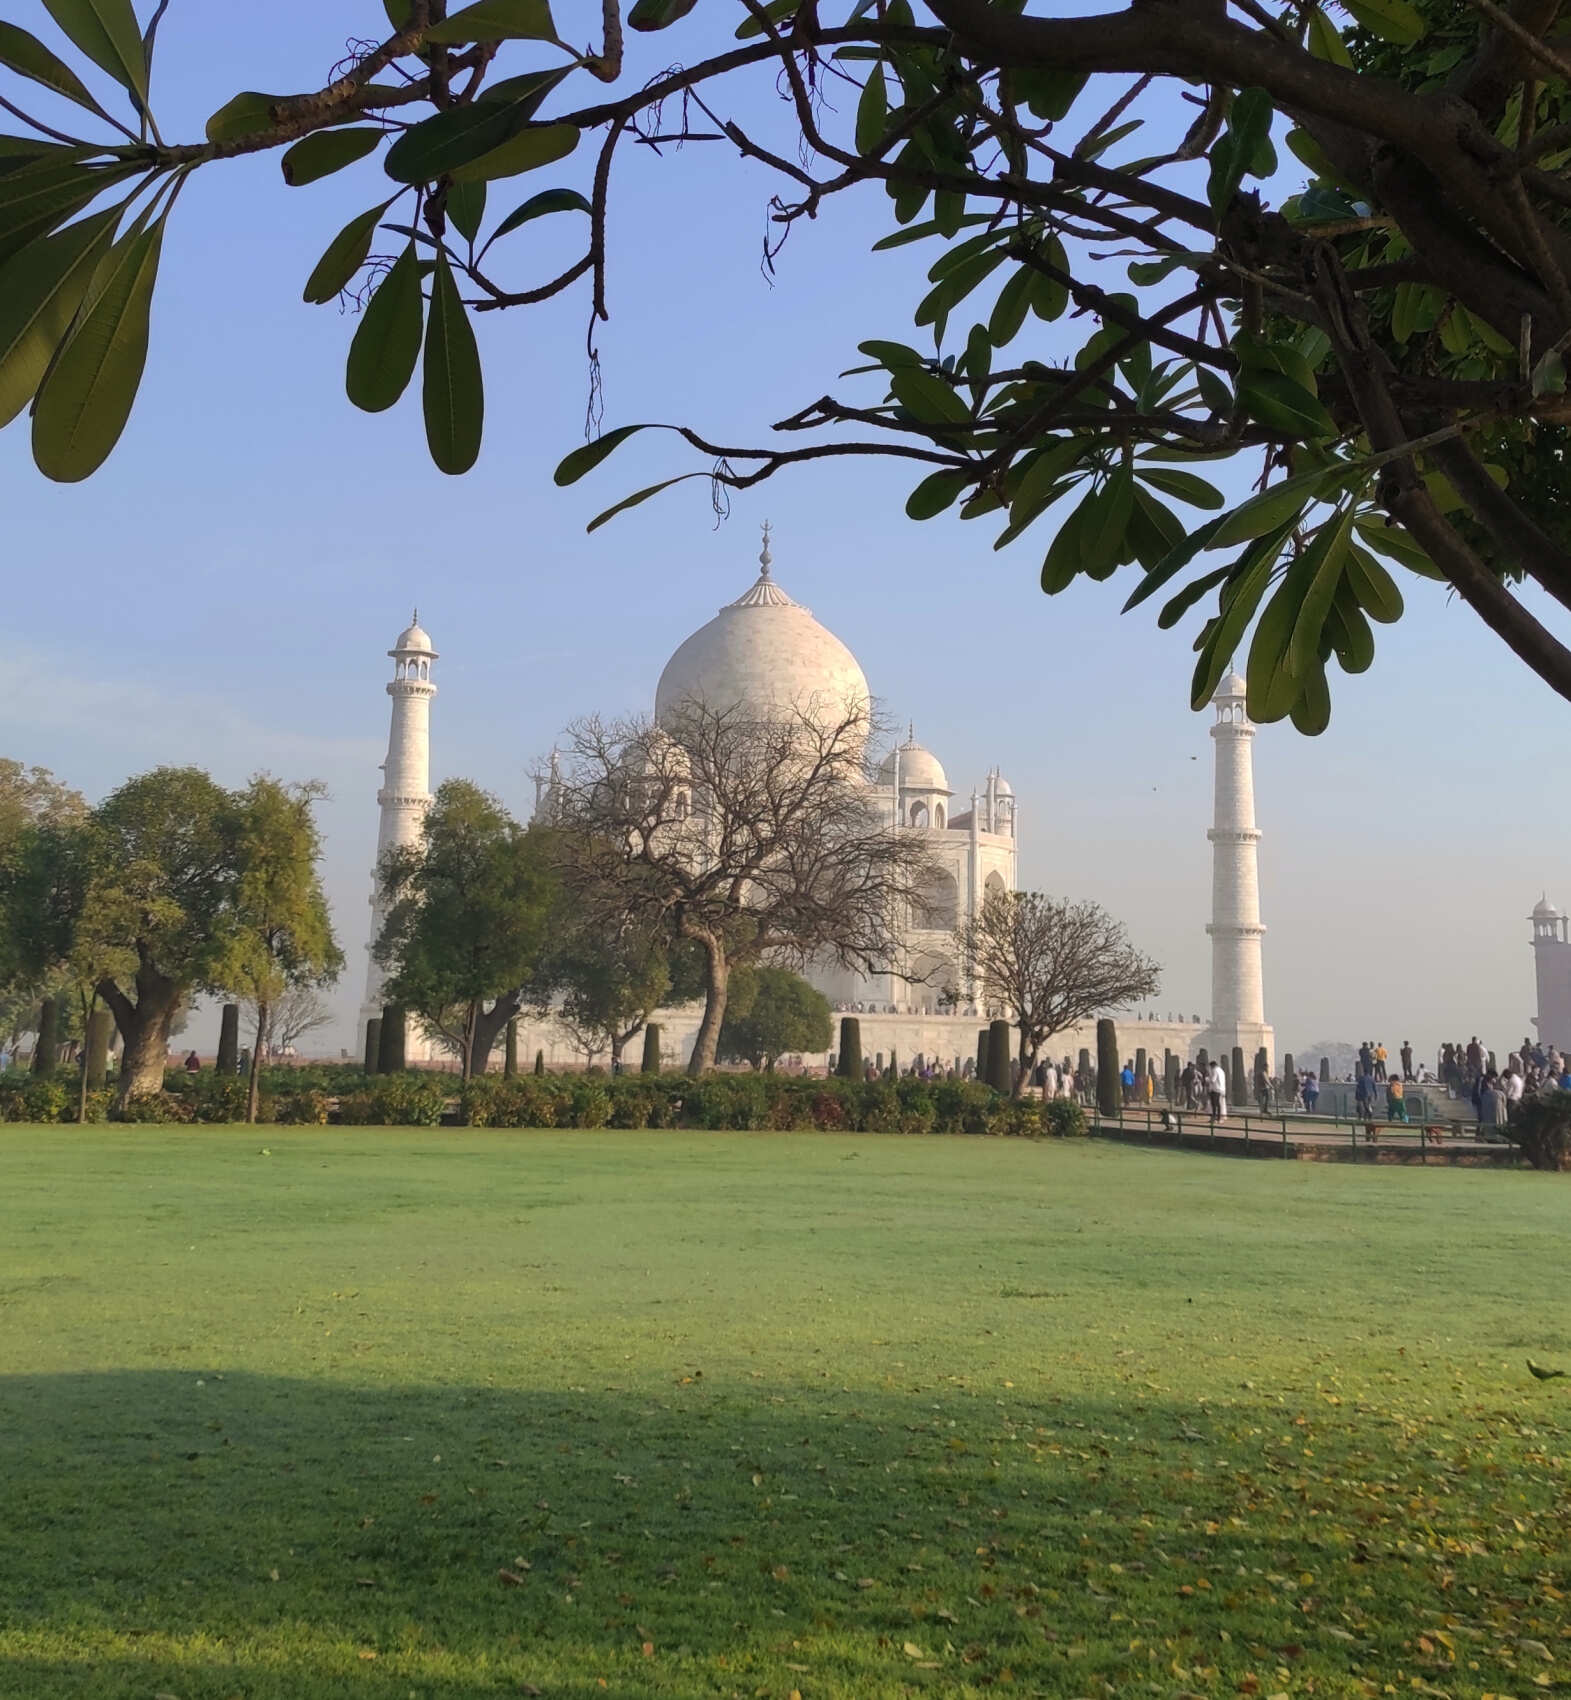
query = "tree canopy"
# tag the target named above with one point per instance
(468, 927)
(772, 1012)
(1327, 241)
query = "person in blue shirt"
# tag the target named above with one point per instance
(1127, 1081)
(1311, 1092)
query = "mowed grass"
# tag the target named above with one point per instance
(436, 1414)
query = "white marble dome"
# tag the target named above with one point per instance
(763, 650)
(920, 769)
(1232, 686)
(1544, 910)
(414, 637)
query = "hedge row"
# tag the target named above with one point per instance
(741, 1101)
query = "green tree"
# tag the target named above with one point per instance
(770, 1013)
(31, 798)
(468, 926)
(167, 860)
(1383, 349)
(609, 973)
(280, 936)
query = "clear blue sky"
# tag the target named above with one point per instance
(224, 590)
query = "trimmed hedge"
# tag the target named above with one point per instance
(747, 1102)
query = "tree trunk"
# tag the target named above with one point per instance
(145, 1030)
(252, 1086)
(488, 1024)
(616, 1053)
(466, 1045)
(717, 978)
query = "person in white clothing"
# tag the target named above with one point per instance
(1216, 1085)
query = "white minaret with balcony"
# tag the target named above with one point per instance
(1237, 985)
(405, 794)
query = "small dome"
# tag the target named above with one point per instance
(1002, 787)
(1233, 686)
(1544, 910)
(763, 650)
(920, 769)
(414, 637)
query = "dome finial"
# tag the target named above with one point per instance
(911, 731)
(765, 559)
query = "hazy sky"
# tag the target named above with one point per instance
(223, 592)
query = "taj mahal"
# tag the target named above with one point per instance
(766, 648)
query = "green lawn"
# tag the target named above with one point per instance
(306, 1413)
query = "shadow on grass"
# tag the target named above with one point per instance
(196, 1535)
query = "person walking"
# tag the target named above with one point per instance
(1126, 1080)
(1311, 1090)
(1216, 1088)
(1396, 1099)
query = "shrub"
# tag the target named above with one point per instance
(396, 1100)
(651, 1058)
(46, 1046)
(373, 1043)
(228, 1058)
(1542, 1130)
(297, 1109)
(1063, 1118)
(590, 1104)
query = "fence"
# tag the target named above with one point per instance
(1283, 1134)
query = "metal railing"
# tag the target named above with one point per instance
(1163, 1124)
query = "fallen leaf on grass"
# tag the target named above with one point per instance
(649, 1649)
(510, 1578)
(367, 1652)
(911, 1650)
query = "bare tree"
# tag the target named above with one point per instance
(301, 1010)
(748, 835)
(1053, 963)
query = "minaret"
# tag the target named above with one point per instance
(1237, 988)
(406, 780)
(1552, 970)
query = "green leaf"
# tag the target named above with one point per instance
(1239, 601)
(453, 393)
(640, 496)
(466, 208)
(1038, 486)
(537, 206)
(35, 199)
(1047, 92)
(1269, 509)
(573, 466)
(928, 397)
(326, 151)
(1325, 41)
(1176, 607)
(656, 14)
(40, 291)
(1282, 404)
(28, 57)
(86, 396)
(525, 152)
(891, 354)
(1154, 529)
(108, 33)
(1312, 712)
(1009, 310)
(1184, 485)
(440, 144)
(248, 114)
(1239, 152)
(920, 232)
(1064, 555)
(1174, 562)
(1374, 587)
(1349, 632)
(939, 490)
(1105, 523)
(1320, 567)
(344, 256)
(496, 20)
(1400, 546)
(775, 10)
(1392, 20)
(1415, 308)
(386, 345)
(1049, 297)
(872, 111)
